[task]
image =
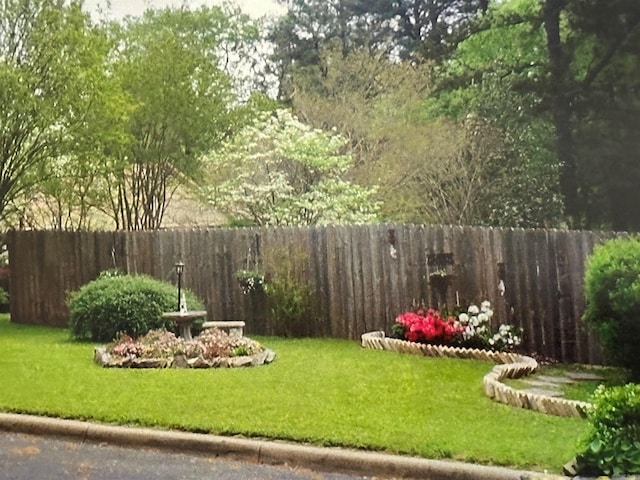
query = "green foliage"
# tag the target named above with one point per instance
(485, 168)
(131, 304)
(111, 273)
(612, 294)
(168, 65)
(240, 351)
(561, 80)
(405, 29)
(240, 222)
(398, 331)
(56, 102)
(612, 446)
(104, 122)
(4, 297)
(288, 296)
(279, 171)
(72, 188)
(430, 171)
(289, 305)
(250, 280)
(496, 76)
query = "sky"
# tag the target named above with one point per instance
(120, 8)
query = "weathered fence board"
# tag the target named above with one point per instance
(362, 276)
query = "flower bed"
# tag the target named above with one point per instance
(378, 341)
(162, 349)
(470, 329)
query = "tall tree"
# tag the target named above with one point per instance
(556, 66)
(428, 170)
(51, 80)
(430, 29)
(604, 80)
(402, 29)
(169, 66)
(559, 93)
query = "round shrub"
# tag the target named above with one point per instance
(115, 303)
(612, 294)
(612, 446)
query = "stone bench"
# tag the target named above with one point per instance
(233, 327)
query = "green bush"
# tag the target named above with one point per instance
(289, 304)
(4, 297)
(115, 303)
(612, 446)
(289, 296)
(612, 294)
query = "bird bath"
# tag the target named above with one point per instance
(185, 319)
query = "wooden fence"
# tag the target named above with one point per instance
(362, 276)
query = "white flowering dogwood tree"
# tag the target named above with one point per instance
(279, 171)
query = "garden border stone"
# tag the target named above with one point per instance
(105, 359)
(509, 365)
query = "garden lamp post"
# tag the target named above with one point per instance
(179, 271)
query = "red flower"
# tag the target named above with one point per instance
(429, 327)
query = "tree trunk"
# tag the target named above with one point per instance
(560, 107)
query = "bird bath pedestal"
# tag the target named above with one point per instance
(185, 320)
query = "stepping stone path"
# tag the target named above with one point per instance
(550, 386)
(546, 385)
(541, 384)
(584, 377)
(555, 380)
(543, 391)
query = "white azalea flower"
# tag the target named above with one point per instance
(473, 309)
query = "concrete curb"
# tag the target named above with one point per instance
(335, 460)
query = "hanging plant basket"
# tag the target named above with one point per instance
(250, 281)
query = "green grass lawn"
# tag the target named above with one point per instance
(320, 391)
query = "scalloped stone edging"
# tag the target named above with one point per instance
(105, 359)
(510, 365)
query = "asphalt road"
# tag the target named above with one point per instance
(31, 457)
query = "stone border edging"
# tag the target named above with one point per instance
(498, 391)
(510, 365)
(105, 359)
